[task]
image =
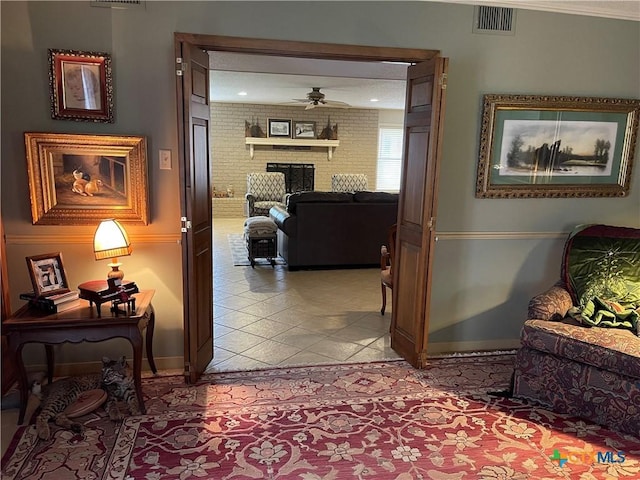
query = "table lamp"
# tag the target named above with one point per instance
(111, 241)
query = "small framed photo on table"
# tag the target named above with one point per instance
(81, 86)
(279, 128)
(47, 274)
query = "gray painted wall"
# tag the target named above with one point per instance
(492, 255)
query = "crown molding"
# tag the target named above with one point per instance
(619, 9)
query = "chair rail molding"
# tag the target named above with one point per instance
(87, 239)
(499, 235)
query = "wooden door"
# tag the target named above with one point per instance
(424, 117)
(9, 374)
(195, 185)
(198, 323)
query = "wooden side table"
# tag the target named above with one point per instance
(80, 324)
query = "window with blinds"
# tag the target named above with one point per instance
(389, 158)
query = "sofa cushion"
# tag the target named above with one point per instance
(609, 349)
(375, 197)
(317, 197)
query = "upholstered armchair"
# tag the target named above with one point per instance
(580, 352)
(349, 182)
(265, 190)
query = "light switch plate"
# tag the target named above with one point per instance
(165, 159)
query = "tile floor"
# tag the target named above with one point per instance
(265, 317)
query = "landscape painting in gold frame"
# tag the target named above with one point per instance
(83, 179)
(552, 146)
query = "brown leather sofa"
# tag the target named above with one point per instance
(331, 229)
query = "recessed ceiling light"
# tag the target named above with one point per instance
(242, 94)
(374, 100)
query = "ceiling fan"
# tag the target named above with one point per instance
(315, 98)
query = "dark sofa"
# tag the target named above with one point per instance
(334, 229)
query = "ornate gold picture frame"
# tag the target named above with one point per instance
(551, 146)
(81, 86)
(83, 179)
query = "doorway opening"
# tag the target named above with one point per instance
(276, 317)
(424, 98)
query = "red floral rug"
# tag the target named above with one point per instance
(363, 421)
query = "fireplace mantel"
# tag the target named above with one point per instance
(292, 142)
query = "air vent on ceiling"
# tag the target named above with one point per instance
(138, 4)
(494, 20)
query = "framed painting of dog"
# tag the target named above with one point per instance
(82, 179)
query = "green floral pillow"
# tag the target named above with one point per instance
(600, 262)
(601, 270)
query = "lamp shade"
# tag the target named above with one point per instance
(111, 240)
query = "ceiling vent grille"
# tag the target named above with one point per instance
(494, 20)
(138, 4)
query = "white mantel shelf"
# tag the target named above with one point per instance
(292, 142)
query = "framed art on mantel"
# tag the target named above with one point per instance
(304, 129)
(81, 86)
(83, 179)
(279, 128)
(551, 147)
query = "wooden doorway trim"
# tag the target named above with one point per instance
(324, 51)
(9, 373)
(285, 48)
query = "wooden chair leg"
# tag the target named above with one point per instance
(384, 298)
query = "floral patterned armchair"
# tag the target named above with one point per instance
(580, 352)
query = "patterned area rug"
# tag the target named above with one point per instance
(363, 421)
(238, 248)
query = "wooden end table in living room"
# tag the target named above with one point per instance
(80, 324)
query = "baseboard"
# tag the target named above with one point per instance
(472, 346)
(67, 369)
(177, 363)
